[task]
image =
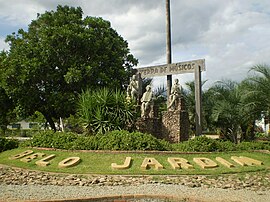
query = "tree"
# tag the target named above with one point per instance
(189, 97)
(6, 104)
(5, 109)
(257, 88)
(60, 55)
(256, 94)
(226, 110)
(230, 111)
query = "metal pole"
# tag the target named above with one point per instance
(168, 46)
(198, 100)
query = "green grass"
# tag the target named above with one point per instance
(100, 163)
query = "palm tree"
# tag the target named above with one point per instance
(189, 97)
(260, 86)
(227, 111)
(256, 92)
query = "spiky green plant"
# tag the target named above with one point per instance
(105, 110)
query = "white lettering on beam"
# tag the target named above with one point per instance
(175, 68)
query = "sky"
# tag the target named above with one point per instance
(231, 35)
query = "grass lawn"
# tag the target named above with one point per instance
(100, 162)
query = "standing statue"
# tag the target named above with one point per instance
(175, 95)
(146, 102)
(132, 89)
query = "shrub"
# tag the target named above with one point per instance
(49, 139)
(198, 144)
(123, 140)
(262, 135)
(204, 144)
(7, 144)
(85, 143)
(115, 140)
(223, 146)
(253, 146)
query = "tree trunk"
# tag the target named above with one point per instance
(252, 131)
(50, 121)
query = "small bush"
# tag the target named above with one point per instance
(85, 143)
(204, 144)
(253, 146)
(123, 140)
(223, 146)
(49, 139)
(7, 144)
(115, 140)
(259, 135)
(198, 144)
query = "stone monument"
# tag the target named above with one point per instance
(174, 96)
(171, 125)
(147, 101)
(133, 89)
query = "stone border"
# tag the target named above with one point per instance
(125, 198)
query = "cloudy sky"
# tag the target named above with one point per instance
(231, 35)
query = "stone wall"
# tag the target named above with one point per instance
(172, 126)
(150, 126)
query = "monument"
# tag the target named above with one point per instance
(147, 101)
(133, 89)
(173, 124)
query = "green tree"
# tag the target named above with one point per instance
(229, 112)
(5, 110)
(189, 97)
(226, 108)
(256, 95)
(60, 54)
(258, 87)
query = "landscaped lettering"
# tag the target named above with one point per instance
(69, 162)
(151, 162)
(178, 163)
(45, 161)
(148, 163)
(205, 163)
(126, 164)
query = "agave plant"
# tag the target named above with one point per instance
(105, 110)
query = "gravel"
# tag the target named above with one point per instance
(22, 185)
(52, 192)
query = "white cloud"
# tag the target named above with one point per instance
(19, 13)
(3, 44)
(232, 35)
